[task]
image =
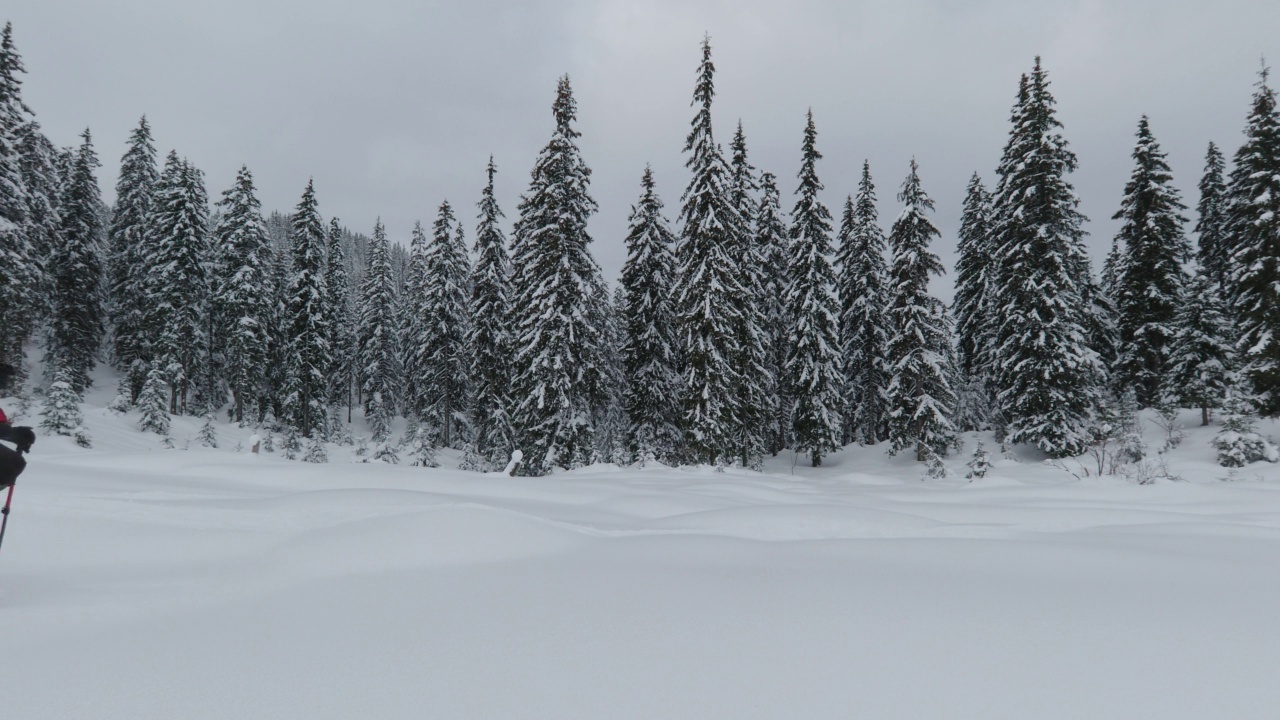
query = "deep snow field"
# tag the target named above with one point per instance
(138, 582)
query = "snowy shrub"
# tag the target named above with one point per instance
(980, 463)
(208, 432)
(934, 467)
(81, 436)
(153, 404)
(166, 442)
(316, 452)
(386, 453)
(410, 436)
(120, 404)
(1238, 443)
(423, 447)
(362, 447)
(1167, 420)
(471, 460)
(292, 444)
(269, 443)
(62, 407)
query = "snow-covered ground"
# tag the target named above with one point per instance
(138, 582)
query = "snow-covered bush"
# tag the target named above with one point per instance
(423, 447)
(208, 432)
(471, 460)
(934, 466)
(1238, 442)
(120, 404)
(269, 443)
(292, 443)
(316, 452)
(362, 447)
(386, 453)
(980, 463)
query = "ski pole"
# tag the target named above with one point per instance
(4, 523)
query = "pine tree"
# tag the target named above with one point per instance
(557, 344)
(920, 396)
(46, 172)
(21, 271)
(416, 320)
(153, 404)
(307, 318)
(208, 435)
(135, 192)
(62, 414)
(1048, 379)
(813, 360)
(864, 323)
(78, 323)
(757, 392)
(1214, 246)
(1200, 353)
(1253, 225)
(241, 301)
(707, 283)
(491, 341)
(340, 321)
(176, 283)
(772, 237)
(378, 366)
(1151, 279)
(443, 358)
(972, 304)
(649, 359)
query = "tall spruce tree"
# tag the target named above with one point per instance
(135, 191)
(813, 360)
(177, 284)
(307, 318)
(444, 358)
(708, 284)
(415, 324)
(773, 240)
(491, 339)
(79, 318)
(242, 293)
(340, 318)
(557, 344)
(1151, 276)
(1047, 386)
(378, 374)
(21, 269)
(971, 307)
(1200, 352)
(757, 383)
(46, 171)
(648, 354)
(1214, 252)
(920, 395)
(864, 323)
(1253, 225)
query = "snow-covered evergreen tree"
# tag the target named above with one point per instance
(308, 320)
(1048, 377)
(315, 451)
(153, 403)
(62, 415)
(443, 357)
(971, 307)
(208, 435)
(757, 383)
(1200, 352)
(341, 322)
(557, 344)
(491, 341)
(1214, 251)
(649, 360)
(813, 361)
(377, 340)
(135, 190)
(1253, 225)
(242, 294)
(46, 172)
(1149, 288)
(920, 396)
(21, 268)
(79, 318)
(863, 289)
(773, 239)
(177, 282)
(415, 322)
(708, 281)
(1238, 442)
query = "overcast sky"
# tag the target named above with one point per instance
(394, 105)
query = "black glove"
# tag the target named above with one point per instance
(23, 438)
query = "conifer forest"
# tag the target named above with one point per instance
(750, 318)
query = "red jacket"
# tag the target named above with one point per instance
(3, 419)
